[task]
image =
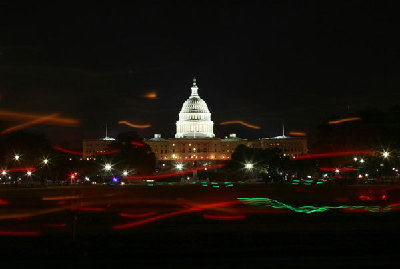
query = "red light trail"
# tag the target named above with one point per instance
(223, 217)
(331, 169)
(174, 214)
(344, 120)
(137, 216)
(133, 143)
(20, 169)
(334, 154)
(166, 175)
(13, 233)
(81, 153)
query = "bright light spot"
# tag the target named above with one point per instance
(107, 167)
(16, 157)
(308, 176)
(385, 154)
(125, 173)
(359, 176)
(355, 159)
(122, 183)
(179, 166)
(4, 172)
(163, 164)
(29, 173)
(362, 161)
(337, 170)
(45, 161)
(87, 178)
(248, 166)
(366, 175)
(205, 168)
(115, 180)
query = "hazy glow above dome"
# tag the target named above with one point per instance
(194, 118)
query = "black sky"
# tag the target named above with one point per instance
(263, 63)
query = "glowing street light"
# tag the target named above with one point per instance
(179, 166)
(125, 173)
(249, 166)
(45, 161)
(385, 154)
(337, 170)
(355, 159)
(4, 172)
(29, 173)
(107, 167)
(361, 160)
(16, 157)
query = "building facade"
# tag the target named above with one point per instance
(195, 140)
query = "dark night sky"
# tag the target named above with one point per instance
(257, 62)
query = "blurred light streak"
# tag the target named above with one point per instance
(10, 115)
(29, 123)
(296, 133)
(166, 175)
(96, 209)
(150, 95)
(137, 216)
(21, 169)
(133, 143)
(81, 153)
(271, 203)
(332, 169)
(4, 202)
(13, 233)
(223, 217)
(56, 225)
(174, 214)
(56, 198)
(240, 122)
(344, 120)
(365, 198)
(334, 154)
(139, 126)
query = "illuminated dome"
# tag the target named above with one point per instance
(194, 118)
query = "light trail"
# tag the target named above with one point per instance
(344, 120)
(137, 216)
(134, 143)
(4, 202)
(242, 123)
(334, 154)
(150, 95)
(173, 214)
(81, 153)
(57, 198)
(331, 169)
(29, 123)
(10, 115)
(166, 175)
(271, 203)
(138, 126)
(20, 169)
(14, 233)
(296, 133)
(223, 217)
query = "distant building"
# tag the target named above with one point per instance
(93, 147)
(195, 139)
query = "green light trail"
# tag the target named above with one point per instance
(271, 203)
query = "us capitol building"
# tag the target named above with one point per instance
(195, 140)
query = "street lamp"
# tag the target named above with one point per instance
(4, 172)
(361, 160)
(125, 173)
(29, 173)
(45, 161)
(249, 166)
(107, 167)
(179, 166)
(385, 154)
(16, 157)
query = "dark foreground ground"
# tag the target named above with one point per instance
(195, 226)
